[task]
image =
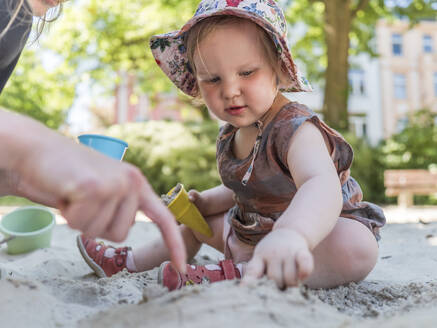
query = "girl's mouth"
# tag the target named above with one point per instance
(52, 3)
(235, 110)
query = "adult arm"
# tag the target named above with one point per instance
(96, 194)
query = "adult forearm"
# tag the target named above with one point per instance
(12, 129)
(314, 209)
(20, 138)
(8, 182)
(9, 138)
(218, 200)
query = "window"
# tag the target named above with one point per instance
(396, 41)
(400, 86)
(435, 84)
(358, 126)
(356, 82)
(427, 43)
(401, 124)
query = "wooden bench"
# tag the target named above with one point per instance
(406, 183)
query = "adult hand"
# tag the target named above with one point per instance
(96, 194)
(282, 255)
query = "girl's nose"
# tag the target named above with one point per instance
(230, 89)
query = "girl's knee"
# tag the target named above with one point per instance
(215, 222)
(360, 254)
(365, 258)
(348, 254)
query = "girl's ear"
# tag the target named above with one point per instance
(280, 74)
(197, 98)
(282, 77)
(196, 91)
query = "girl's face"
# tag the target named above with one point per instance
(40, 7)
(235, 80)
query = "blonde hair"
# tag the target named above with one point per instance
(206, 26)
(41, 22)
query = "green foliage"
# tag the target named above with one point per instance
(112, 36)
(15, 201)
(99, 38)
(416, 10)
(171, 152)
(367, 169)
(412, 148)
(33, 91)
(310, 47)
(415, 146)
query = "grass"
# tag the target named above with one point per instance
(14, 201)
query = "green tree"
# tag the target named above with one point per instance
(413, 147)
(367, 168)
(103, 37)
(44, 95)
(172, 152)
(337, 28)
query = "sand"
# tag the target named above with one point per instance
(55, 288)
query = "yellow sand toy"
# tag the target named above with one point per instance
(185, 211)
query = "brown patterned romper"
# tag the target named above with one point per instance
(271, 188)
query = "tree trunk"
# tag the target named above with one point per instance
(338, 18)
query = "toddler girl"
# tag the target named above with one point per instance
(287, 208)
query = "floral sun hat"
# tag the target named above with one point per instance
(170, 53)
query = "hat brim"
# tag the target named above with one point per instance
(171, 56)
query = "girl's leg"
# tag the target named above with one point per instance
(154, 253)
(346, 255)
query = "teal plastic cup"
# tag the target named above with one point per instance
(27, 228)
(109, 146)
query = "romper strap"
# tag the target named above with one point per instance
(246, 177)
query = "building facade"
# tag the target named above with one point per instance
(386, 89)
(364, 105)
(408, 70)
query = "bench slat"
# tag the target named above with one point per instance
(406, 183)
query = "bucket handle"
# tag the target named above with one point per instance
(7, 239)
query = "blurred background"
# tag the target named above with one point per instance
(372, 64)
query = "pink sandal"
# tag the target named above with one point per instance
(196, 274)
(93, 254)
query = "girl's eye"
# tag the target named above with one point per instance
(246, 73)
(213, 80)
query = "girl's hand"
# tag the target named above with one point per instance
(283, 255)
(196, 197)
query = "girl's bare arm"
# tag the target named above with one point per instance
(316, 206)
(284, 255)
